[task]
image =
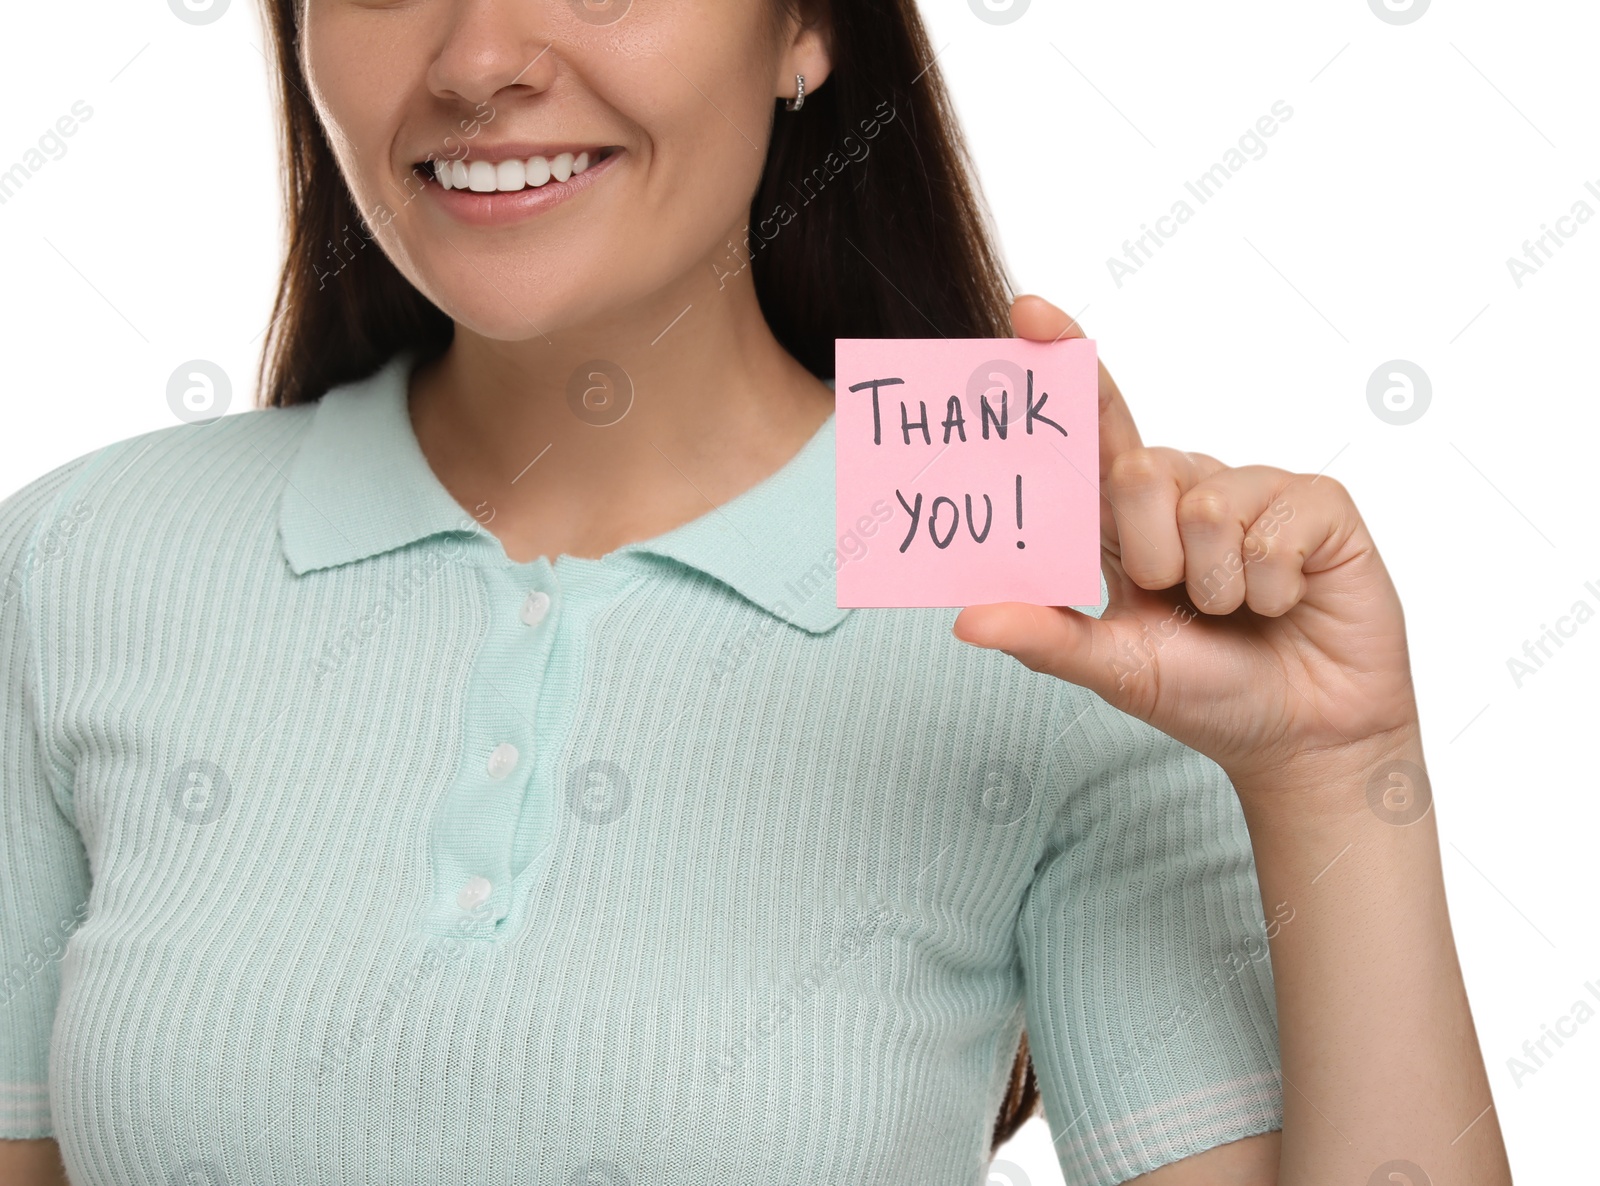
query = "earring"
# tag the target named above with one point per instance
(799, 100)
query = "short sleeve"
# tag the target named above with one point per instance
(1151, 1018)
(44, 872)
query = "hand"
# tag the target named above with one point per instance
(1250, 616)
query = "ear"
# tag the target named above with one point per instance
(807, 49)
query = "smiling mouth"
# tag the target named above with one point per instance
(517, 173)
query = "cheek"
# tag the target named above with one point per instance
(705, 132)
(359, 84)
(695, 78)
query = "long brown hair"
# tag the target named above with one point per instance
(884, 237)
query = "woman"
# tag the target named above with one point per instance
(391, 849)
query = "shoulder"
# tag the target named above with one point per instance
(22, 511)
(143, 485)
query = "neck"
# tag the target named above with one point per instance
(710, 404)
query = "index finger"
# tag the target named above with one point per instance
(1036, 319)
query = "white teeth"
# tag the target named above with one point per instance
(509, 175)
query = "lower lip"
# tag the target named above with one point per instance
(496, 208)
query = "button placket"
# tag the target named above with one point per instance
(583, 591)
(477, 820)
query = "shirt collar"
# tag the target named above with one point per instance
(359, 485)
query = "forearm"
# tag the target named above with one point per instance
(1380, 1057)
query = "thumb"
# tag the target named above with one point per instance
(1035, 318)
(1053, 640)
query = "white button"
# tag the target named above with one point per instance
(474, 893)
(503, 760)
(535, 607)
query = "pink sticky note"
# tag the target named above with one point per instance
(968, 471)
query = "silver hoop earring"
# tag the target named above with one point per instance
(799, 100)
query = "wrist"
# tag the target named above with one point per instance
(1382, 776)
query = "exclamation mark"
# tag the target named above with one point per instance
(1020, 544)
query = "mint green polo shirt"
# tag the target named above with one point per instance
(339, 848)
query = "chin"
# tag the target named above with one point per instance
(497, 300)
(507, 297)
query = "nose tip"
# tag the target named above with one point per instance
(491, 48)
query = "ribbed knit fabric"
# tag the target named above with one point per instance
(338, 848)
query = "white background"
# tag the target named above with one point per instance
(1377, 226)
